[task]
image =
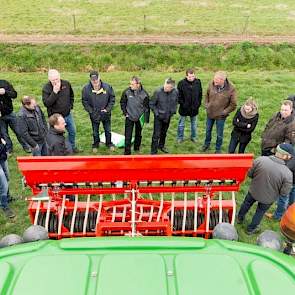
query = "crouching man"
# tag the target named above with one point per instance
(271, 178)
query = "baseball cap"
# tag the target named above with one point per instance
(94, 75)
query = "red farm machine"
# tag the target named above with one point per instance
(174, 195)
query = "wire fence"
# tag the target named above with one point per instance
(144, 23)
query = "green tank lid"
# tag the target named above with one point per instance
(144, 265)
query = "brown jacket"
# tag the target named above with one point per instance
(219, 104)
(278, 130)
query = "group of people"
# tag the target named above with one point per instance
(98, 99)
(270, 173)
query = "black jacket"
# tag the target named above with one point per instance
(189, 97)
(134, 103)
(6, 106)
(240, 126)
(32, 126)
(57, 144)
(164, 104)
(95, 102)
(61, 102)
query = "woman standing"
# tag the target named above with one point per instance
(244, 121)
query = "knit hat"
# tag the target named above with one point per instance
(286, 149)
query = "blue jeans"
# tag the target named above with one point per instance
(71, 128)
(4, 178)
(219, 129)
(257, 217)
(42, 151)
(283, 203)
(181, 125)
(11, 121)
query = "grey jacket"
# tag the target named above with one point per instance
(134, 103)
(32, 125)
(271, 178)
(164, 104)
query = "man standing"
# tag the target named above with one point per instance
(189, 99)
(98, 99)
(280, 128)
(135, 107)
(271, 178)
(33, 126)
(57, 144)
(58, 97)
(220, 101)
(4, 180)
(8, 117)
(163, 105)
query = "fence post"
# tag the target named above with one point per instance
(74, 21)
(246, 24)
(144, 22)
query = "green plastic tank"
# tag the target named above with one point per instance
(144, 265)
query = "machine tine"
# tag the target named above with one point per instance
(114, 209)
(151, 213)
(172, 210)
(99, 210)
(74, 215)
(133, 208)
(220, 207)
(86, 214)
(47, 214)
(161, 207)
(196, 212)
(208, 214)
(234, 207)
(61, 215)
(37, 213)
(125, 209)
(141, 213)
(184, 211)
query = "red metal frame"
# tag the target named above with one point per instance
(104, 175)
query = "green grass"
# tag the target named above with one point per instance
(268, 87)
(208, 17)
(159, 58)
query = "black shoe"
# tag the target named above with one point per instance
(11, 199)
(205, 148)
(239, 221)
(164, 150)
(252, 231)
(9, 154)
(28, 150)
(77, 151)
(8, 212)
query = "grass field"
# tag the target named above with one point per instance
(269, 88)
(206, 17)
(159, 58)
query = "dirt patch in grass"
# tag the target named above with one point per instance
(143, 39)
